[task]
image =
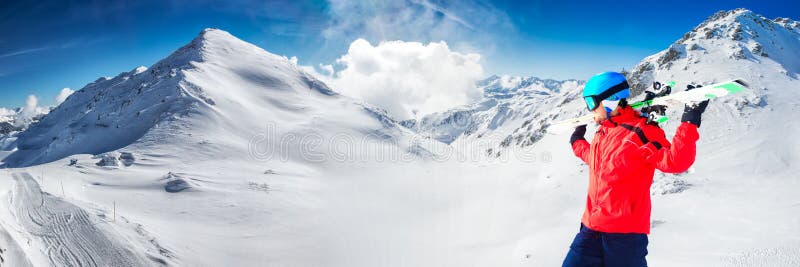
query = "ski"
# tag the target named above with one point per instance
(696, 95)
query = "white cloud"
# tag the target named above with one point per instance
(408, 79)
(24, 51)
(31, 103)
(29, 111)
(66, 92)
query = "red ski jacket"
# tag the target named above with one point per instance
(622, 158)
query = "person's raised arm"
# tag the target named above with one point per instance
(579, 144)
(676, 157)
(680, 155)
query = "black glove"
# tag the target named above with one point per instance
(578, 134)
(658, 109)
(649, 95)
(667, 90)
(692, 112)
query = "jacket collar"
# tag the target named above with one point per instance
(626, 114)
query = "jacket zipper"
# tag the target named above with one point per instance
(601, 136)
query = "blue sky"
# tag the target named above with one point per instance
(49, 45)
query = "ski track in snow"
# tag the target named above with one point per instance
(70, 236)
(10, 252)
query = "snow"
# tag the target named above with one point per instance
(202, 119)
(12, 254)
(282, 171)
(71, 235)
(5, 114)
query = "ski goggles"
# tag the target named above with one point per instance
(594, 101)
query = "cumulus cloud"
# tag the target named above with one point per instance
(29, 111)
(66, 92)
(407, 79)
(31, 103)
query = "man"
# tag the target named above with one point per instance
(623, 155)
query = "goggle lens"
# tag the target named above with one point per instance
(591, 102)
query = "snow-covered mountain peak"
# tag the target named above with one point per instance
(507, 86)
(730, 42)
(216, 89)
(209, 39)
(212, 33)
(739, 25)
(213, 41)
(217, 46)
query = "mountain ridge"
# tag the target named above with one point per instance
(739, 35)
(215, 87)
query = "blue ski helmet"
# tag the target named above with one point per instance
(605, 86)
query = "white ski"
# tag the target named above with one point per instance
(683, 97)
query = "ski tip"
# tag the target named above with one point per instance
(557, 128)
(742, 83)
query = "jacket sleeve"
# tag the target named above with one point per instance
(581, 149)
(676, 157)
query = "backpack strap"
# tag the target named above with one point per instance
(640, 133)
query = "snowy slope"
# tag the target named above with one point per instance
(211, 156)
(70, 234)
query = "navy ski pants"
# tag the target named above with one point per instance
(597, 249)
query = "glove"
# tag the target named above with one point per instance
(658, 109)
(692, 112)
(578, 134)
(649, 95)
(667, 90)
